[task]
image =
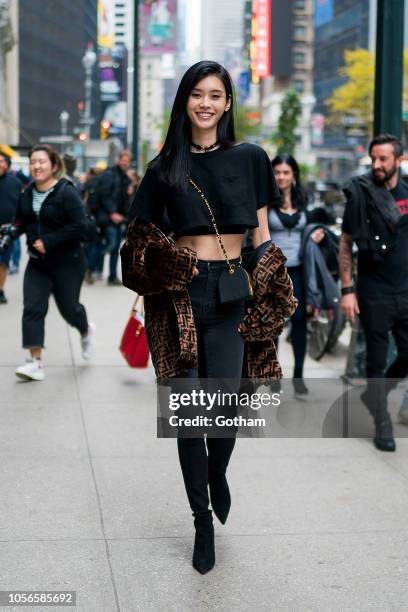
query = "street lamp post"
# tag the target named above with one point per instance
(389, 67)
(136, 86)
(88, 62)
(64, 116)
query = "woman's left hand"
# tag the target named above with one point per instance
(312, 312)
(317, 235)
(39, 246)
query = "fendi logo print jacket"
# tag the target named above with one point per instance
(154, 267)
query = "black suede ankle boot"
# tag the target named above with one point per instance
(375, 398)
(204, 551)
(219, 454)
(384, 438)
(220, 496)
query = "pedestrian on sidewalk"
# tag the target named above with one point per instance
(52, 216)
(70, 165)
(15, 257)
(213, 190)
(95, 249)
(376, 219)
(10, 189)
(287, 219)
(113, 207)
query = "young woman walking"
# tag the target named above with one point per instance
(191, 333)
(52, 216)
(287, 219)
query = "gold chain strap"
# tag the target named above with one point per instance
(231, 267)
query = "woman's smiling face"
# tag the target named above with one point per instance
(41, 167)
(207, 103)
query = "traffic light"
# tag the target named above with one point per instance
(82, 136)
(104, 129)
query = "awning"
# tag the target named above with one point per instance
(8, 150)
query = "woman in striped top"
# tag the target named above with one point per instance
(52, 216)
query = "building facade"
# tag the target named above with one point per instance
(339, 25)
(51, 76)
(9, 74)
(123, 23)
(222, 33)
(291, 66)
(159, 29)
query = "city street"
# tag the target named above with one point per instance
(93, 502)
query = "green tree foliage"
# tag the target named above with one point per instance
(291, 110)
(355, 99)
(164, 125)
(247, 122)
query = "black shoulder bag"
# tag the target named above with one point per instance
(234, 283)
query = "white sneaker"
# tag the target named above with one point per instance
(88, 342)
(32, 370)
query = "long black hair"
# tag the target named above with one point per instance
(297, 193)
(175, 159)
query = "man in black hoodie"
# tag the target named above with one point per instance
(114, 204)
(10, 188)
(376, 219)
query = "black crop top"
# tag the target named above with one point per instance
(236, 182)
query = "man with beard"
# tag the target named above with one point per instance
(376, 219)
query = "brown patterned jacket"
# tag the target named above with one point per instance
(154, 267)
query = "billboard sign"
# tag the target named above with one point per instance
(260, 48)
(317, 125)
(106, 24)
(158, 27)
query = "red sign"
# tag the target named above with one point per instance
(261, 39)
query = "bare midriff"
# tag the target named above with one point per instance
(209, 249)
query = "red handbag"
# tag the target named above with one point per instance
(133, 345)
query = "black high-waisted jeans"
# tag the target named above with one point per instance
(220, 355)
(220, 345)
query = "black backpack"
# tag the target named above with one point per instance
(92, 190)
(91, 233)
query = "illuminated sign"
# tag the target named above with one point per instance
(106, 24)
(260, 48)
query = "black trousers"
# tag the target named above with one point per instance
(220, 355)
(379, 316)
(62, 277)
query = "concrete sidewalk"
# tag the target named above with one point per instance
(92, 501)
